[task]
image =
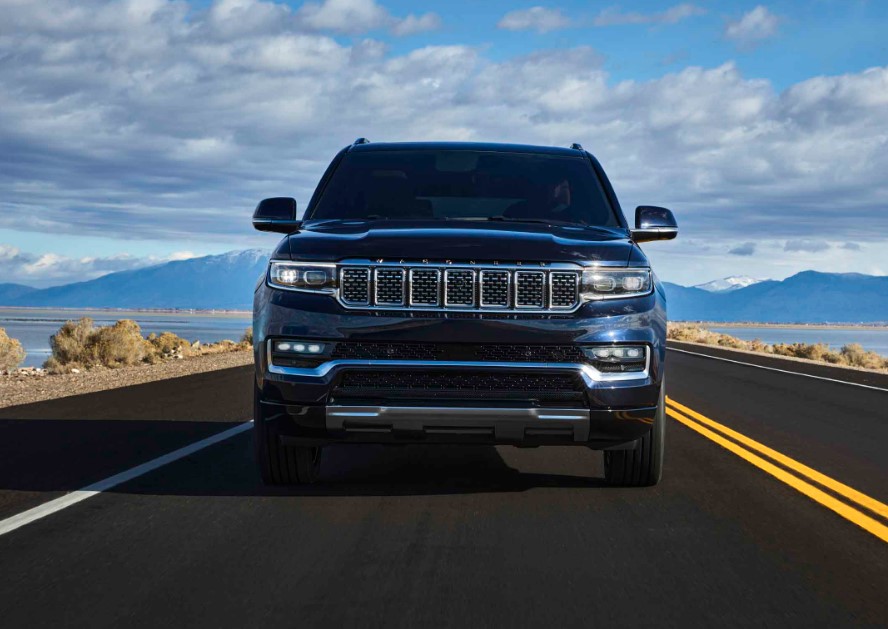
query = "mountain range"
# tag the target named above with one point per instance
(227, 281)
(224, 282)
(728, 283)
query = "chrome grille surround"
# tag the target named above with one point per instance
(425, 287)
(563, 290)
(496, 289)
(530, 290)
(354, 286)
(460, 287)
(389, 286)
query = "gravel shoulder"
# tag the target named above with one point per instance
(19, 388)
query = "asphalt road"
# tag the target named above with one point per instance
(444, 536)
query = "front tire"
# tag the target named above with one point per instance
(279, 464)
(643, 466)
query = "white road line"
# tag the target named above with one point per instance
(48, 508)
(794, 373)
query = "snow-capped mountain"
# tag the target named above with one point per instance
(728, 283)
(220, 281)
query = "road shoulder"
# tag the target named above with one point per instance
(785, 363)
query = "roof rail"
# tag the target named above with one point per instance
(361, 141)
(576, 146)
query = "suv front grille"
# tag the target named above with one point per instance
(471, 288)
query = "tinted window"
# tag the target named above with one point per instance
(465, 185)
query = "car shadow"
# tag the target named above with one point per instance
(42, 458)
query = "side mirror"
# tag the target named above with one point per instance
(277, 214)
(653, 223)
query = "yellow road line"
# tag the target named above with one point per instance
(849, 513)
(850, 493)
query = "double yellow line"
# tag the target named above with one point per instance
(856, 506)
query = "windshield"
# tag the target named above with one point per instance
(466, 185)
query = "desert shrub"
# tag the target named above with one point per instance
(81, 345)
(120, 344)
(855, 355)
(72, 344)
(167, 345)
(247, 338)
(11, 352)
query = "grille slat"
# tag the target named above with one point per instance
(355, 286)
(457, 288)
(563, 290)
(389, 287)
(530, 289)
(425, 287)
(495, 288)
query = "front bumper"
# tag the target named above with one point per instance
(303, 401)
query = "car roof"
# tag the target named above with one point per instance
(466, 146)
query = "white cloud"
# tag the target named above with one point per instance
(806, 246)
(45, 269)
(360, 16)
(754, 26)
(672, 15)
(344, 16)
(167, 124)
(539, 19)
(413, 24)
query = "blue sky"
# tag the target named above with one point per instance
(139, 131)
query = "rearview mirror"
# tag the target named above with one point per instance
(653, 223)
(277, 214)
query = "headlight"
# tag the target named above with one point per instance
(615, 283)
(304, 276)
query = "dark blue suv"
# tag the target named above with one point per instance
(460, 294)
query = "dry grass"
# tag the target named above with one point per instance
(82, 345)
(11, 352)
(852, 355)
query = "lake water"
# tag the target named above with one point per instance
(875, 340)
(34, 327)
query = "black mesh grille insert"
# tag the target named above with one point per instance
(362, 350)
(390, 287)
(387, 351)
(529, 289)
(564, 290)
(495, 289)
(424, 287)
(459, 381)
(355, 286)
(460, 286)
(531, 353)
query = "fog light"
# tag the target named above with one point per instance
(295, 347)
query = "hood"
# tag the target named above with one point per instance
(333, 241)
